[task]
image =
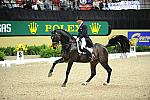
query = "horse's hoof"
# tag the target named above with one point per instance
(105, 83)
(49, 74)
(84, 83)
(63, 85)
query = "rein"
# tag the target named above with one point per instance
(67, 43)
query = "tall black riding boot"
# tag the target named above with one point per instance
(88, 53)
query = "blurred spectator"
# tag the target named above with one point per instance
(76, 4)
(96, 4)
(63, 4)
(1, 3)
(34, 6)
(28, 5)
(101, 5)
(46, 5)
(40, 5)
(105, 5)
(55, 4)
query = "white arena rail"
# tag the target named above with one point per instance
(25, 61)
(8, 63)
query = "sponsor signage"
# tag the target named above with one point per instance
(139, 38)
(44, 28)
(124, 5)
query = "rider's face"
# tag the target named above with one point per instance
(79, 21)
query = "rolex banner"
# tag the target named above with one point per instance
(44, 28)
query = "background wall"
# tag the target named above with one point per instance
(120, 21)
(40, 40)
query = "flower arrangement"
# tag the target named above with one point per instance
(21, 47)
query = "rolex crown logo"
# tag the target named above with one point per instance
(95, 28)
(33, 27)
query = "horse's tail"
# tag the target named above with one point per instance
(119, 41)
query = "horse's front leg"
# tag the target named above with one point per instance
(70, 63)
(53, 66)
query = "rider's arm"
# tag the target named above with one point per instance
(84, 30)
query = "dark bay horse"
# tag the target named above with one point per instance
(70, 55)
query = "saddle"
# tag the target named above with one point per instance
(84, 52)
(74, 47)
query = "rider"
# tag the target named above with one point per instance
(86, 42)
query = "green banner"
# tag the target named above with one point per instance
(44, 28)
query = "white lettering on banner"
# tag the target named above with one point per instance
(144, 39)
(123, 5)
(5, 27)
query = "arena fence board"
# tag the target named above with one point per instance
(8, 63)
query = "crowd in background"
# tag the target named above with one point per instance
(60, 4)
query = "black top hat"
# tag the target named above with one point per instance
(79, 18)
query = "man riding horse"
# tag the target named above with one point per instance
(86, 43)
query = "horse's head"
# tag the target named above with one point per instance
(56, 38)
(61, 36)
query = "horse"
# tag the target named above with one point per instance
(70, 54)
(120, 42)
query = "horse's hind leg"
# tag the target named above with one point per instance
(108, 69)
(53, 66)
(93, 72)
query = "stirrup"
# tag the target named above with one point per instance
(93, 55)
(92, 59)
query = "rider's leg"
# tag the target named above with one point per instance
(77, 40)
(91, 52)
(88, 50)
(83, 41)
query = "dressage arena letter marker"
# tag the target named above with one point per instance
(20, 55)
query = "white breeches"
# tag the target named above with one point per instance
(83, 45)
(89, 49)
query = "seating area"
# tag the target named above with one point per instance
(76, 4)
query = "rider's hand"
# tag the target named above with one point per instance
(77, 39)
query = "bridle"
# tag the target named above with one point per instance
(57, 40)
